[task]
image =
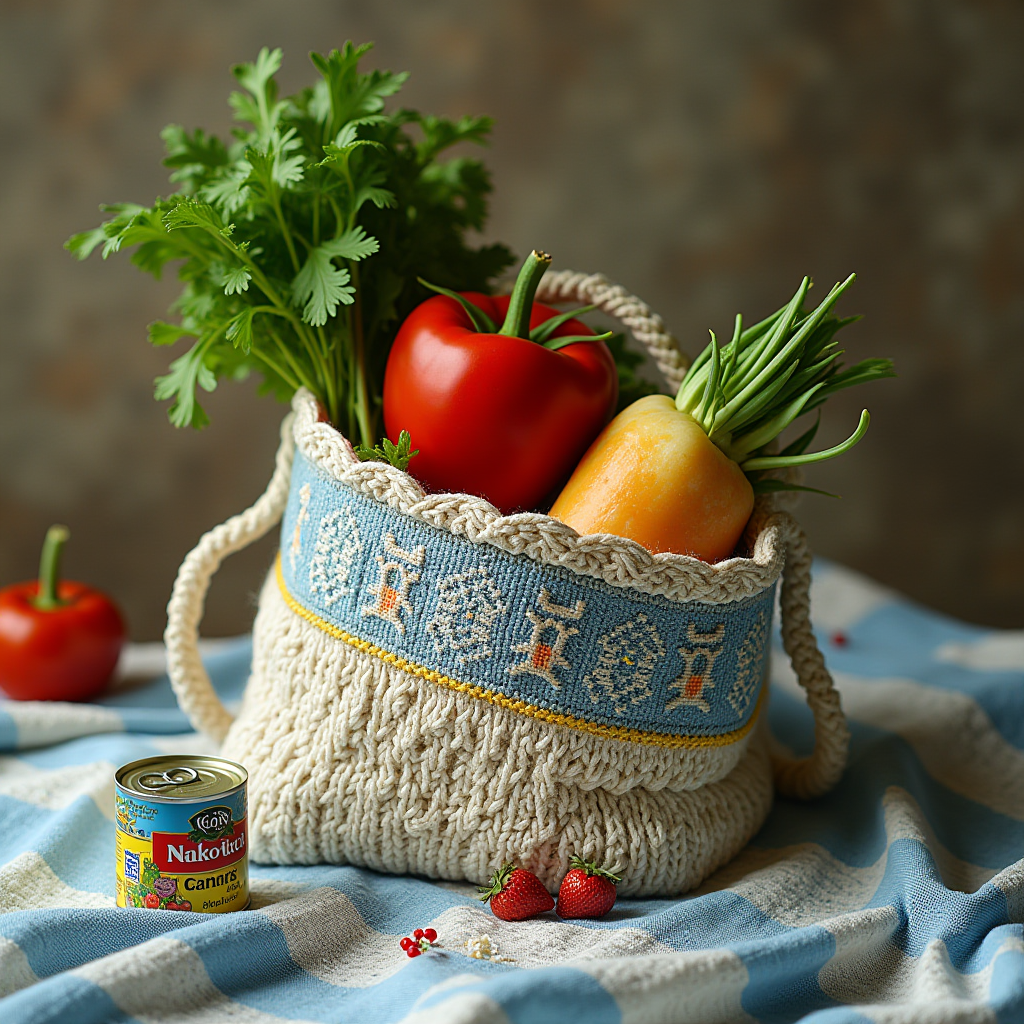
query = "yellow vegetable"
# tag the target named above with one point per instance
(654, 476)
(681, 475)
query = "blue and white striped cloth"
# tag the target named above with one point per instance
(899, 897)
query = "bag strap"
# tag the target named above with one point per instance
(814, 775)
(646, 326)
(805, 778)
(192, 687)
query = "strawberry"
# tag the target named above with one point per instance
(516, 894)
(586, 891)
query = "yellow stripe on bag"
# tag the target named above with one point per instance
(611, 732)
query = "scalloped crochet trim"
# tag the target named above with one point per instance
(614, 560)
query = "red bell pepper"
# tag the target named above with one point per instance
(59, 640)
(504, 413)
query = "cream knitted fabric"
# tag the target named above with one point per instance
(353, 759)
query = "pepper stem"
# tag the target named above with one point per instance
(49, 568)
(520, 305)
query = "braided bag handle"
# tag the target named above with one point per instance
(810, 776)
(806, 777)
(645, 325)
(192, 687)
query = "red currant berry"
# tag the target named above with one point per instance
(413, 951)
(406, 942)
(429, 934)
(418, 934)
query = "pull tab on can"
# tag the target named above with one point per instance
(155, 781)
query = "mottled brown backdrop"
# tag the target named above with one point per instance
(705, 154)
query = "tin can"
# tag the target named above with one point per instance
(182, 841)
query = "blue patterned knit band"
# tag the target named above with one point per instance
(536, 638)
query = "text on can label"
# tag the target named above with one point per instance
(179, 851)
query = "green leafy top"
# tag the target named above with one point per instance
(302, 239)
(497, 882)
(398, 455)
(744, 394)
(591, 869)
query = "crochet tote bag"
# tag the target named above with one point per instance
(437, 688)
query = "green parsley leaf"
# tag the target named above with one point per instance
(82, 244)
(229, 191)
(190, 213)
(236, 280)
(299, 241)
(398, 455)
(239, 331)
(256, 76)
(193, 156)
(320, 285)
(352, 245)
(161, 333)
(187, 372)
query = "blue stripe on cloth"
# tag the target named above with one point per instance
(62, 939)
(246, 957)
(542, 997)
(837, 1015)
(8, 732)
(784, 974)
(116, 748)
(850, 823)
(783, 962)
(394, 904)
(63, 1000)
(1006, 989)
(711, 922)
(902, 640)
(928, 910)
(76, 841)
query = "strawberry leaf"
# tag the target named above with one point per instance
(591, 869)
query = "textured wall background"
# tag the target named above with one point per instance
(704, 154)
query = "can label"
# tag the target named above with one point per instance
(182, 855)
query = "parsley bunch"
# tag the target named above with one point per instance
(303, 238)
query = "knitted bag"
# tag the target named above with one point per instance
(437, 688)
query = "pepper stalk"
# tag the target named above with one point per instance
(47, 597)
(520, 309)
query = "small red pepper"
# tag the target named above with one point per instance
(502, 412)
(59, 640)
